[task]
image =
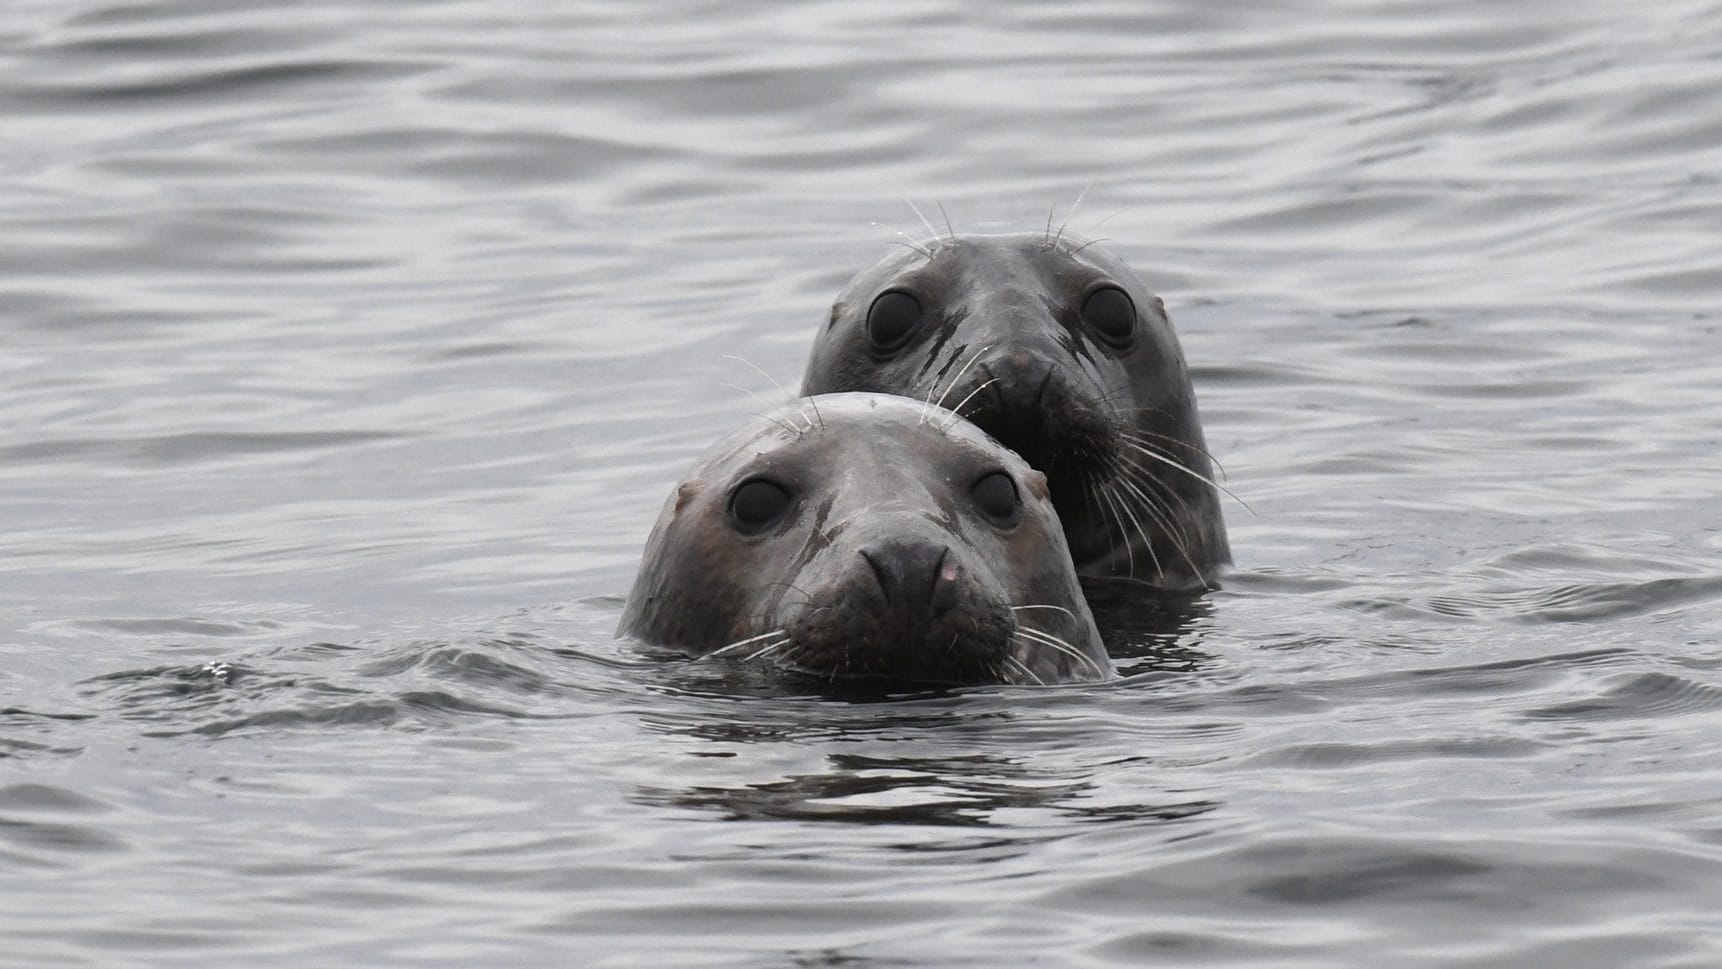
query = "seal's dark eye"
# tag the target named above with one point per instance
(1112, 315)
(892, 320)
(996, 495)
(757, 504)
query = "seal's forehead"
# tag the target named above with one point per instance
(983, 446)
(907, 429)
(766, 434)
(966, 264)
(841, 430)
(1033, 261)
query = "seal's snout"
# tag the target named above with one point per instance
(914, 574)
(1026, 371)
(1022, 400)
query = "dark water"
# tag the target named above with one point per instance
(347, 351)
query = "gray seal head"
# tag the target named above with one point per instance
(866, 535)
(1057, 349)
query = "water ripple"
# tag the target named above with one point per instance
(347, 351)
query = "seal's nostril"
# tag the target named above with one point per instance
(886, 583)
(939, 578)
(911, 572)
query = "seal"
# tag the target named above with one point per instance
(867, 536)
(1057, 349)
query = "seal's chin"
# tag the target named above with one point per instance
(942, 653)
(985, 642)
(856, 633)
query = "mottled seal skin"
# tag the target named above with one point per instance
(867, 535)
(1057, 349)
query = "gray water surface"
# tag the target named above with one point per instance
(347, 351)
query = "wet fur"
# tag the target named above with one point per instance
(1116, 433)
(865, 469)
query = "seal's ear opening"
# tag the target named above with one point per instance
(685, 492)
(1036, 484)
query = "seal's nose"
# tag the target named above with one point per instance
(913, 573)
(1006, 395)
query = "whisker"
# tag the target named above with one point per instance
(1123, 398)
(742, 642)
(791, 428)
(1147, 541)
(1091, 242)
(786, 394)
(1090, 488)
(1072, 211)
(767, 650)
(917, 210)
(958, 410)
(1067, 612)
(1127, 471)
(1199, 477)
(906, 242)
(1134, 477)
(1012, 660)
(1047, 639)
(792, 587)
(1118, 516)
(947, 217)
(1137, 481)
(953, 381)
(1163, 516)
(1140, 436)
(788, 659)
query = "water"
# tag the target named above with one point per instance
(347, 351)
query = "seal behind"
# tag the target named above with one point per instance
(1057, 349)
(865, 535)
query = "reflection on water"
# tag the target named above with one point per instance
(348, 351)
(958, 791)
(1149, 634)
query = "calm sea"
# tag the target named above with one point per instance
(348, 349)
